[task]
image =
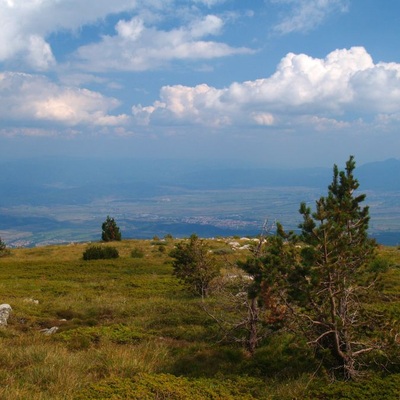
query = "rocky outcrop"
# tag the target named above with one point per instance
(5, 310)
(49, 331)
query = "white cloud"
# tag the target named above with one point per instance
(39, 53)
(263, 118)
(210, 25)
(26, 24)
(130, 30)
(136, 47)
(378, 89)
(33, 98)
(210, 3)
(346, 85)
(306, 15)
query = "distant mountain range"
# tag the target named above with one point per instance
(79, 180)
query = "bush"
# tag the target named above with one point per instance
(222, 251)
(379, 264)
(194, 265)
(85, 337)
(100, 253)
(137, 253)
(165, 386)
(3, 249)
(373, 388)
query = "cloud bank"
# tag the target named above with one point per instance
(344, 88)
(29, 98)
(136, 47)
(346, 85)
(26, 25)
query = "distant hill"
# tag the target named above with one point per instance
(384, 175)
(70, 180)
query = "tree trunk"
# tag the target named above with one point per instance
(253, 320)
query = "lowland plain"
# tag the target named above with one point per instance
(65, 200)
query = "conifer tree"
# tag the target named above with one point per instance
(333, 266)
(110, 230)
(322, 274)
(194, 265)
(266, 311)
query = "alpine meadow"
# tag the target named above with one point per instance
(282, 315)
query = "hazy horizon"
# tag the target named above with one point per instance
(58, 200)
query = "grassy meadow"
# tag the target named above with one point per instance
(128, 329)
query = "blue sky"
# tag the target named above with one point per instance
(269, 82)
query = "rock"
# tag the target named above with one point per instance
(31, 301)
(49, 331)
(5, 310)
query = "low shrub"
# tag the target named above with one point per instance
(85, 337)
(373, 388)
(380, 265)
(137, 253)
(165, 386)
(159, 243)
(283, 356)
(3, 249)
(222, 251)
(100, 253)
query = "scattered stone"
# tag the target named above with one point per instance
(49, 331)
(31, 301)
(5, 310)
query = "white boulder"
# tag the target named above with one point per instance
(5, 310)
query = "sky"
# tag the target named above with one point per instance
(267, 82)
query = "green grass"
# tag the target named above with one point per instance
(127, 327)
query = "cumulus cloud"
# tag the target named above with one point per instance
(26, 24)
(31, 98)
(39, 53)
(345, 85)
(305, 15)
(136, 47)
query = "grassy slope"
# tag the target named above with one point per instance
(127, 327)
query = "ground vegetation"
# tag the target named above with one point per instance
(127, 326)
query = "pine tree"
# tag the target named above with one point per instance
(194, 265)
(110, 230)
(333, 271)
(322, 275)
